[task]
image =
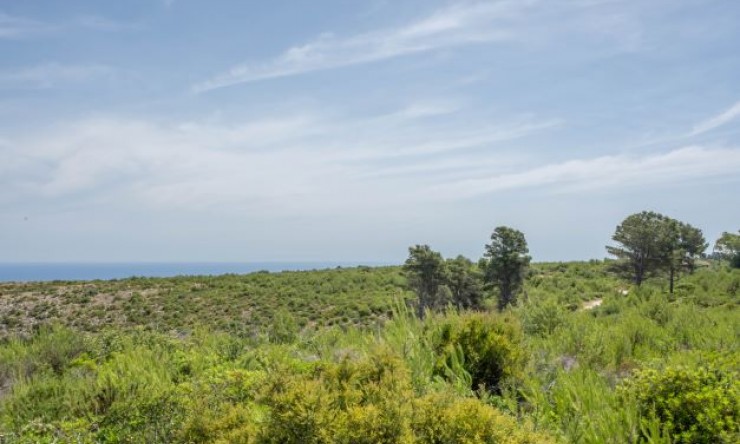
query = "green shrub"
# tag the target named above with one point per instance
(694, 405)
(283, 329)
(444, 419)
(225, 424)
(491, 348)
(543, 317)
(350, 402)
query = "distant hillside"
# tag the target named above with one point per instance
(245, 304)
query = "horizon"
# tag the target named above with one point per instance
(227, 132)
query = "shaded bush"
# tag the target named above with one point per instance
(491, 347)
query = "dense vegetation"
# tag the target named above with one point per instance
(242, 305)
(642, 365)
(437, 351)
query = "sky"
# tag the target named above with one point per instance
(338, 130)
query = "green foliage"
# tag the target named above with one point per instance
(649, 243)
(437, 282)
(465, 280)
(549, 366)
(243, 305)
(581, 404)
(489, 346)
(426, 273)
(542, 317)
(693, 405)
(727, 247)
(735, 260)
(444, 419)
(283, 329)
(350, 402)
(505, 263)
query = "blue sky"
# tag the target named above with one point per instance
(184, 130)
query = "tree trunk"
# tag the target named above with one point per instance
(639, 272)
(671, 279)
(504, 297)
(421, 306)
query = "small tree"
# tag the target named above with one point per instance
(644, 244)
(649, 243)
(464, 280)
(693, 245)
(682, 245)
(426, 273)
(727, 248)
(505, 262)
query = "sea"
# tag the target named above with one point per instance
(37, 272)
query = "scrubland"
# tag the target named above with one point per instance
(338, 356)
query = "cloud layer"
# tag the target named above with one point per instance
(52, 74)
(459, 24)
(309, 162)
(608, 172)
(465, 113)
(301, 162)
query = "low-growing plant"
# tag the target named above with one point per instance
(693, 405)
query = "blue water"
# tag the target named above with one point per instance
(27, 272)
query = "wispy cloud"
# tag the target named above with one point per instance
(99, 23)
(301, 162)
(617, 171)
(717, 121)
(457, 25)
(52, 74)
(14, 27)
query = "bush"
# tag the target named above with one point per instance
(543, 317)
(443, 419)
(491, 348)
(735, 261)
(694, 405)
(222, 425)
(283, 329)
(350, 402)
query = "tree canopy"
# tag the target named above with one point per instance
(505, 262)
(426, 273)
(649, 243)
(727, 248)
(438, 282)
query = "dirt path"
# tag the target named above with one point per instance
(590, 305)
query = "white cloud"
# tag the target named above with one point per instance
(616, 171)
(716, 121)
(605, 27)
(13, 27)
(305, 162)
(453, 26)
(52, 74)
(429, 109)
(103, 23)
